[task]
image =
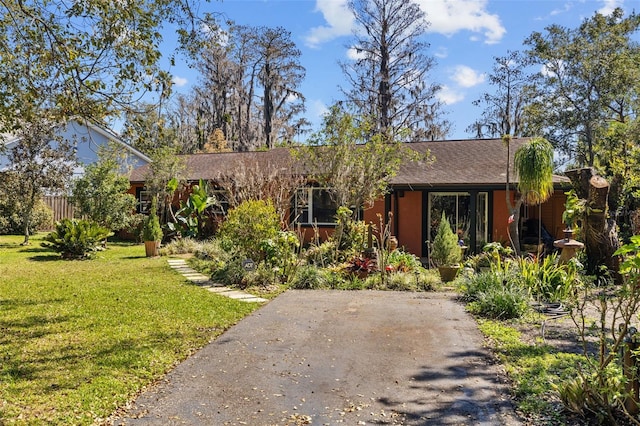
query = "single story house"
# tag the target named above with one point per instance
(467, 182)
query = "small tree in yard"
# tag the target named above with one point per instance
(39, 162)
(101, 193)
(352, 161)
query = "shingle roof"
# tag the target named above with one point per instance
(478, 162)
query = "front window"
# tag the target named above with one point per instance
(144, 201)
(315, 206)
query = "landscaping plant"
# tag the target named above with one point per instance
(76, 238)
(606, 310)
(248, 226)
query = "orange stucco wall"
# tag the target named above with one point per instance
(550, 211)
(409, 221)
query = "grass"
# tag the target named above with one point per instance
(78, 339)
(535, 370)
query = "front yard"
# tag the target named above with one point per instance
(78, 339)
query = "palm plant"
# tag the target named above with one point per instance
(533, 162)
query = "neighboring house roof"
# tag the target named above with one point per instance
(476, 162)
(88, 137)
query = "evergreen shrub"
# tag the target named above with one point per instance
(76, 238)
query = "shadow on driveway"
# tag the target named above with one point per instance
(338, 357)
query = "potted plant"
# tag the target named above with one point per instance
(152, 232)
(446, 252)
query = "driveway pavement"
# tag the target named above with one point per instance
(337, 357)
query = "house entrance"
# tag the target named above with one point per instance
(466, 211)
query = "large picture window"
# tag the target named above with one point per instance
(457, 206)
(315, 206)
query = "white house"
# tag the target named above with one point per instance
(87, 137)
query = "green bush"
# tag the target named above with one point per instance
(248, 225)
(446, 250)
(11, 222)
(264, 276)
(323, 254)
(309, 277)
(228, 272)
(151, 230)
(471, 286)
(502, 303)
(76, 239)
(402, 261)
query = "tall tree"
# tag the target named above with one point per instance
(589, 78)
(250, 78)
(389, 78)
(86, 58)
(355, 166)
(505, 105)
(39, 162)
(280, 76)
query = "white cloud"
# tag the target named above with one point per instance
(465, 76)
(339, 20)
(448, 96)
(451, 16)
(441, 52)
(609, 5)
(318, 110)
(179, 81)
(355, 54)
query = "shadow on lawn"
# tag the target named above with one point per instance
(462, 396)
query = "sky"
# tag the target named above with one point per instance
(464, 37)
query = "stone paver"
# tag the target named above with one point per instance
(180, 265)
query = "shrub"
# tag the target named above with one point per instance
(76, 239)
(402, 261)
(402, 281)
(263, 276)
(181, 246)
(472, 286)
(11, 222)
(309, 277)
(446, 250)
(248, 225)
(323, 254)
(228, 272)
(504, 302)
(151, 230)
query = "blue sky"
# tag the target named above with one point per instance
(464, 37)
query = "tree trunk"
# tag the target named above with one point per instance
(599, 231)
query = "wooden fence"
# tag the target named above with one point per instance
(60, 205)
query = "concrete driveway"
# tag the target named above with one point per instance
(338, 357)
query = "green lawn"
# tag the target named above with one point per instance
(78, 339)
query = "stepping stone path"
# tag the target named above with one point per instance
(180, 265)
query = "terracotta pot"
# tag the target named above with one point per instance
(152, 248)
(448, 273)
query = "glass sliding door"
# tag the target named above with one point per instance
(458, 208)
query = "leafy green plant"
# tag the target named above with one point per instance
(191, 217)
(547, 280)
(181, 246)
(151, 229)
(403, 261)
(309, 277)
(446, 250)
(504, 302)
(247, 226)
(76, 239)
